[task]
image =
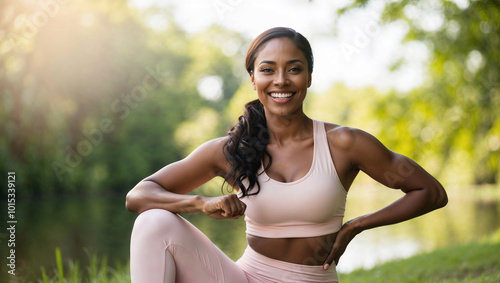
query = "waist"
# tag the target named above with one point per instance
(293, 229)
(305, 251)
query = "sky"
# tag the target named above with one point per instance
(359, 54)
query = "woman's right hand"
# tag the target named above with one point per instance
(224, 207)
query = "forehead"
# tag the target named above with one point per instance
(279, 49)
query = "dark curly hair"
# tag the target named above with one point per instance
(248, 138)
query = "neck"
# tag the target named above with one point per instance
(284, 129)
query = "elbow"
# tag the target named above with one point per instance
(443, 200)
(136, 198)
(439, 198)
(131, 201)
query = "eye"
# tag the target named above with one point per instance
(295, 69)
(266, 70)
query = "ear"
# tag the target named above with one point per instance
(253, 80)
(309, 80)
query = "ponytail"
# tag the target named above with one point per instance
(246, 148)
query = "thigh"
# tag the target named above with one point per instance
(160, 237)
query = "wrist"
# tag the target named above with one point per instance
(199, 203)
(355, 225)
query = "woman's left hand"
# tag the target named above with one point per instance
(344, 237)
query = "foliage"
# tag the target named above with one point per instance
(94, 98)
(453, 118)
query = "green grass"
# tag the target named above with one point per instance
(477, 262)
(97, 271)
(473, 262)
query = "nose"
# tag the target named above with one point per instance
(280, 79)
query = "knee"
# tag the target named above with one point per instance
(155, 221)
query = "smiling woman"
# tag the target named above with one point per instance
(291, 174)
(281, 76)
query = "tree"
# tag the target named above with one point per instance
(92, 95)
(456, 109)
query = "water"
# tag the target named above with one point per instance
(101, 225)
(470, 215)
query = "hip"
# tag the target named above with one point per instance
(259, 268)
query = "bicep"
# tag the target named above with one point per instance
(185, 175)
(387, 167)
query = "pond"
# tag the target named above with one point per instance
(101, 226)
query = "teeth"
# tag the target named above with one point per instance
(281, 95)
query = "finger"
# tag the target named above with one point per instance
(335, 253)
(234, 205)
(241, 209)
(329, 260)
(226, 208)
(240, 206)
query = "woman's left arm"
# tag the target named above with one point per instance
(423, 193)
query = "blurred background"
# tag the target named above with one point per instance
(96, 95)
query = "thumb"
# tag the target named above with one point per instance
(329, 259)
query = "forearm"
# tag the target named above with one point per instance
(149, 195)
(411, 205)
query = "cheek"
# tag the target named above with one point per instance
(305, 81)
(261, 84)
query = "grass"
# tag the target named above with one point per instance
(97, 271)
(477, 262)
(472, 262)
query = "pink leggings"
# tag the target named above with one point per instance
(167, 248)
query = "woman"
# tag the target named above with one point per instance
(291, 174)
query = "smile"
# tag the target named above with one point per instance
(281, 95)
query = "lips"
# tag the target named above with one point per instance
(281, 95)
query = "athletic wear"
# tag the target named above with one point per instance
(308, 207)
(164, 247)
(167, 248)
(262, 269)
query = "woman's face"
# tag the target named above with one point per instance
(281, 78)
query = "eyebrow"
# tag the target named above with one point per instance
(274, 63)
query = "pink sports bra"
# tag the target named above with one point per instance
(308, 207)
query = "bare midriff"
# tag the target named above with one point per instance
(306, 251)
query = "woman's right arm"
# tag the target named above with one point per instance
(167, 188)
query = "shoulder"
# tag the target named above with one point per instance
(357, 146)
(343, 137)
(212, 152)
(214, 147)
(352, 140)
(215, 144)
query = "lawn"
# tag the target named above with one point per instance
(472, 262)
